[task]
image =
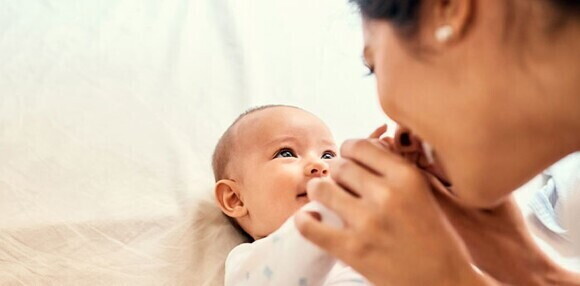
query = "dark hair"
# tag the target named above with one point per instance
(570, 6)
(404, 13)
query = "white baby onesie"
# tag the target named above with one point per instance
(286, 258)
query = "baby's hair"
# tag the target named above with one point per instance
(222, 154)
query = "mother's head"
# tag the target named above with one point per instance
(492, 85)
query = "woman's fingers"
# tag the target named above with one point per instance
(394, 230)
(331, 195)
(440, 187)
(327, 237)
(371, 156)
(356, 178)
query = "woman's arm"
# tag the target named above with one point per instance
(502, 246)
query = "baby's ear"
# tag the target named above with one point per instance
(229, 200)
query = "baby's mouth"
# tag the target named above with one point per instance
(302, 195)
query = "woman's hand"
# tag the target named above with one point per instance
(497, 238)
(395, 232)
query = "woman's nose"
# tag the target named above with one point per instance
(317, 169)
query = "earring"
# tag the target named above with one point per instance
(444, 33)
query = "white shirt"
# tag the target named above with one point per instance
(286, 258)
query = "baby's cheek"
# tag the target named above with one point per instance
(283, 184)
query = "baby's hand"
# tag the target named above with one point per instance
(411, 147)
(383, 142)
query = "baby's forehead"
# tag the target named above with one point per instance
(268, 124)
(299, 130)
(265, 129)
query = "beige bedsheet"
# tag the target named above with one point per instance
(109, 111)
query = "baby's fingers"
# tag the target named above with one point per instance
(378, 132)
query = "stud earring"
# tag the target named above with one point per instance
(444, 33)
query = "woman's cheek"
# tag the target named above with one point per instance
(387, 96)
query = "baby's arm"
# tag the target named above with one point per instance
(342, 275)
(282, 258)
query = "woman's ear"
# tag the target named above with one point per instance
(229, 199)
(447, 20)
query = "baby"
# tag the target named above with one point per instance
(262, 164)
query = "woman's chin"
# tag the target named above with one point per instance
(479, 195)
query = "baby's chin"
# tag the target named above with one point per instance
(301, 202)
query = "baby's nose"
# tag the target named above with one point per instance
(317, 169)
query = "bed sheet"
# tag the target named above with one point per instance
(109, 111)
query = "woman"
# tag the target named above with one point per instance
(493, 86)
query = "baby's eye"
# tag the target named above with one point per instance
(328, 155)
(285, 153)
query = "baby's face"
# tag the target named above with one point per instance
(278, 151)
